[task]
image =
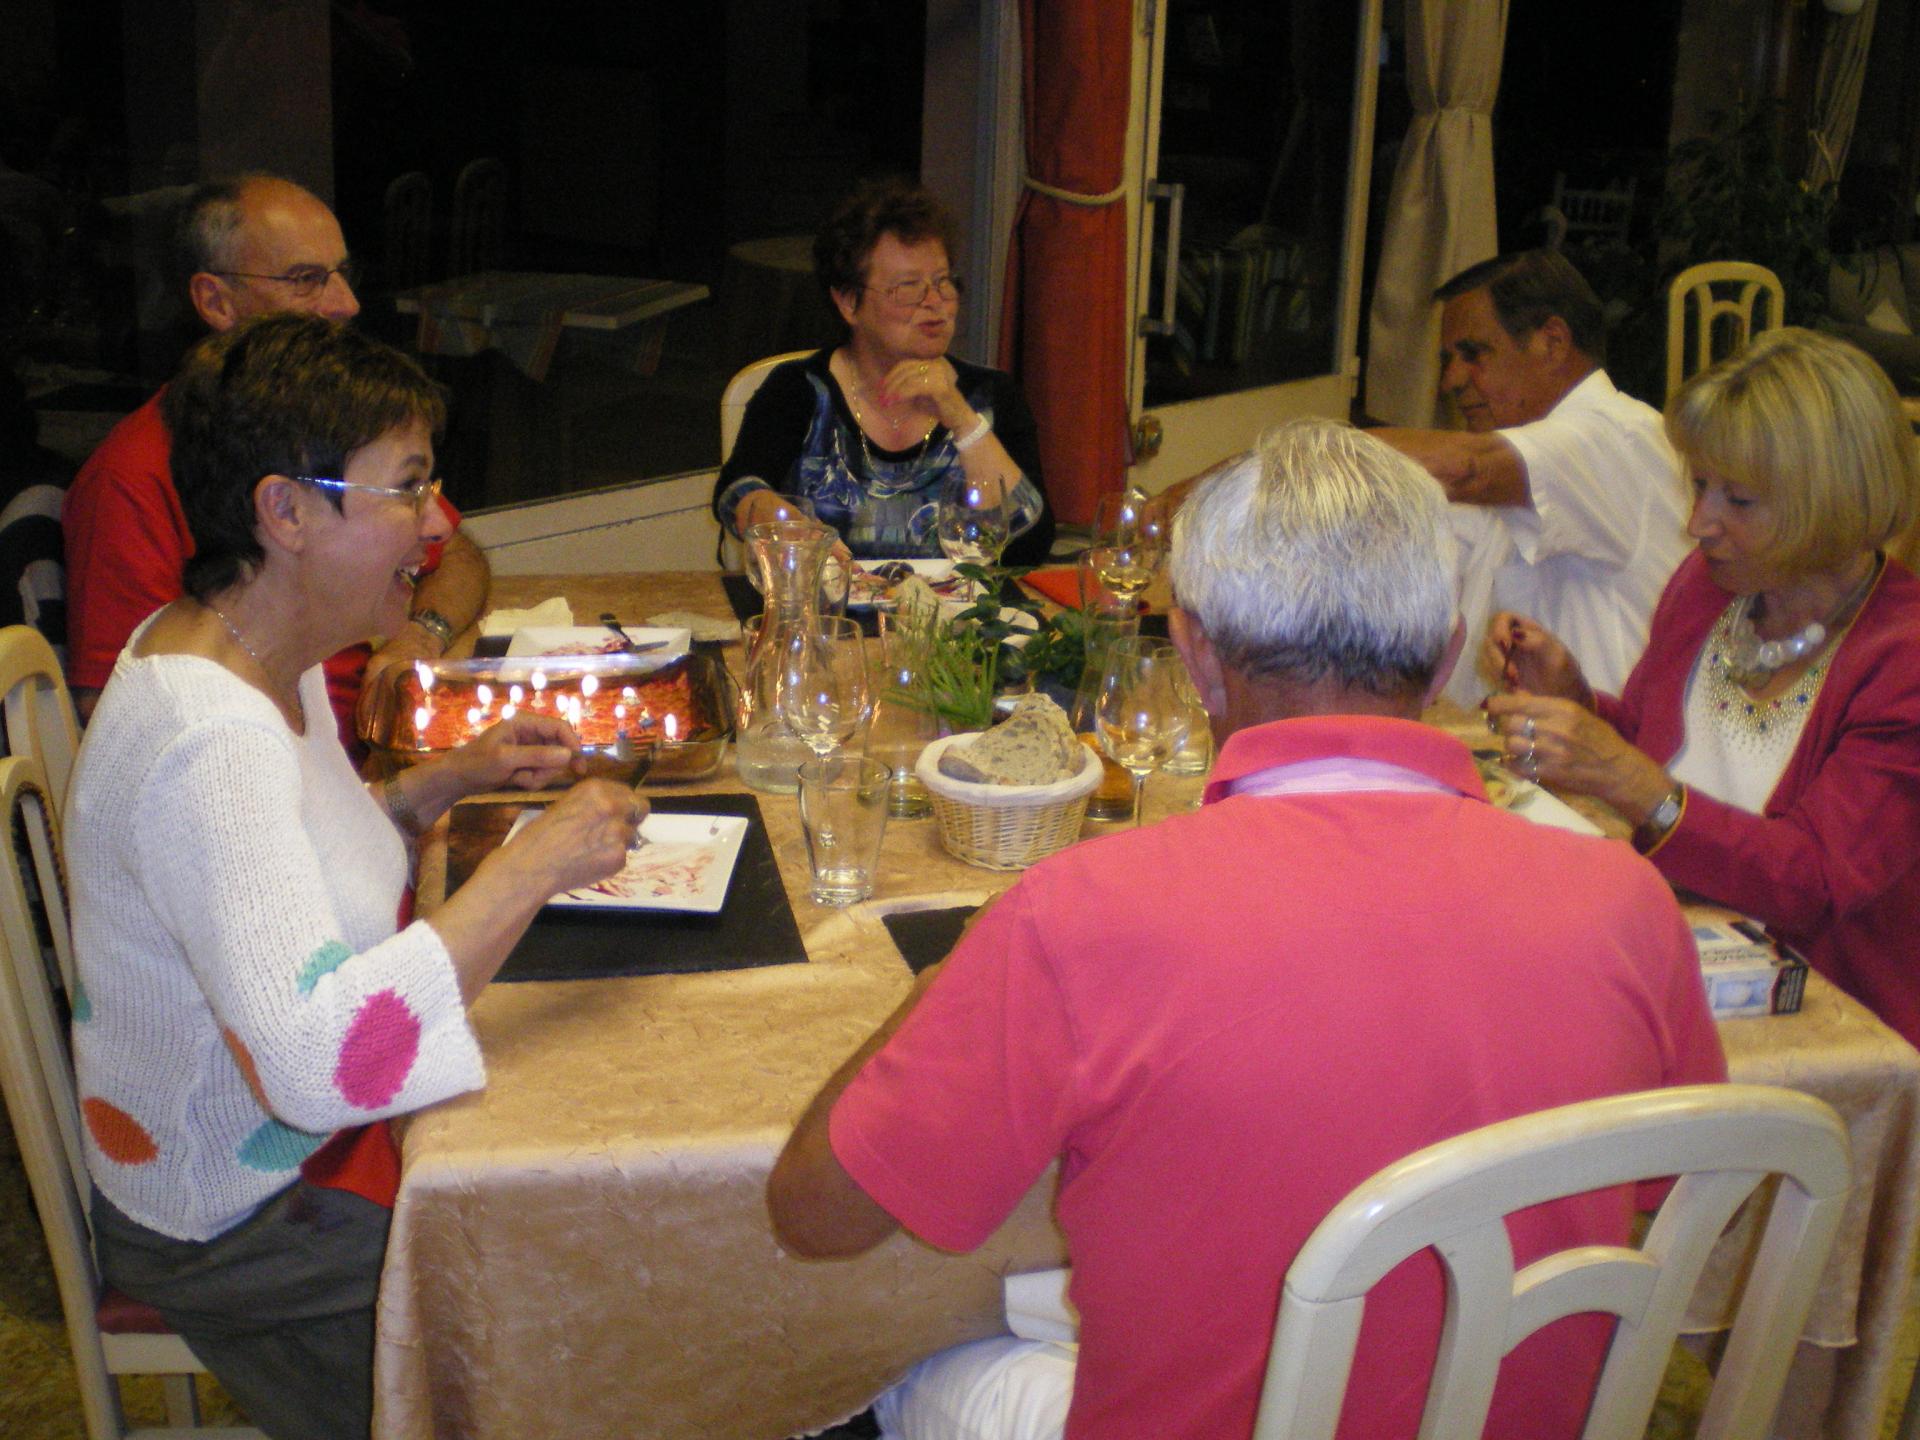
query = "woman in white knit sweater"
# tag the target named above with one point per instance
(250, 990)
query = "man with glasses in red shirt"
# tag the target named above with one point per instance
(253, 244)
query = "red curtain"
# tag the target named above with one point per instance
(1064, 330)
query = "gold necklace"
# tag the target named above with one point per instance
(860, 425)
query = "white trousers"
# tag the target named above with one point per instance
(1001, 1388)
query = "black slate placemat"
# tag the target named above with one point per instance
(924, 937)
(755, 927)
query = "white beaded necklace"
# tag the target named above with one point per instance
(1751, 661)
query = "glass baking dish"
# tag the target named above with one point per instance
(640, 717)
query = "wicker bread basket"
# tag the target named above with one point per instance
(1005, 827)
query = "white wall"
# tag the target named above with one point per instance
(662, 524)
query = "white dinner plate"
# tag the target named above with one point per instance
(686, 864)
(597, 640)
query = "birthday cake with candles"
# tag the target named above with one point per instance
(619, 704)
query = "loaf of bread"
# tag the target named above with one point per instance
(1035, 745)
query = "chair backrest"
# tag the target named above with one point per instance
(33, 584)
(36, 710)
(408, 233)
(740, 389)
(1721, 1141)
(733, 408)
(1602, 212)
(1720, 324)
(479, 222)
(36, 1073)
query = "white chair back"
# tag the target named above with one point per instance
(408, 230)
(1720, 324)
(478, 225)
(1721, 1141)
(733, 408)
(740, 389)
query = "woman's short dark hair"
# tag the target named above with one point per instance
(279, 395)
(842, 251)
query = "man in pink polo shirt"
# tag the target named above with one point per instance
(255, 244)
(1221, 1023)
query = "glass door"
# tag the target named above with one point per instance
(1251, 158)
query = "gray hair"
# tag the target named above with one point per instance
(1323, 554)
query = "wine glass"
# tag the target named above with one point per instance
(1143, 717)
(822, 689)
(971, 520)
(1130, 542)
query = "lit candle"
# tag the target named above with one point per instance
(589, 684)
(508, 711)
(474, 712)
(672, 726)
(515, 694)
(423, 674)
(538, 679)
(484, 693)
(421, 716)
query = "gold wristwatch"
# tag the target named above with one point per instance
(1651, 832)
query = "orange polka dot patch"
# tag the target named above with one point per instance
(121, 1138)
(244, 1059)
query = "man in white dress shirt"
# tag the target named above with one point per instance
(1569, 503)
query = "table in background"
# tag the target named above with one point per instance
(613, 328)
(583, 1247)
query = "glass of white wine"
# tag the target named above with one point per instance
(1142, 713)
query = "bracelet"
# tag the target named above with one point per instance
(436, 625)
(399, 808)
(1650, 834)
(973, 436)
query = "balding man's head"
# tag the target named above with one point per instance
(257, 244)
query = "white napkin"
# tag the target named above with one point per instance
(555, 611)
(1038, 1308)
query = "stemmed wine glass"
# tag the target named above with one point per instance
(972, 520)
(822, 689)
(1130, 543)
(1142, 714)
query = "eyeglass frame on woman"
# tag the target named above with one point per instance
(948, 287)
(419, 495)
(303, 280)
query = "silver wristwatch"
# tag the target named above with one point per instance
(436, 625)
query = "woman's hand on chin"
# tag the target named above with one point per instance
(528, 752)
(930, 386)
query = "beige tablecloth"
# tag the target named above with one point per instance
(582, 1248)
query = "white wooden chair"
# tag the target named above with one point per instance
(733, 408)
(1722, 1141)
(108, 1334)
(1720, 324)
(1588, 214)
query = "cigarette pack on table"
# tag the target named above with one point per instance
(1745, 970)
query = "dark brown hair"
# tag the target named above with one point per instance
(284, 394)
(1530, 287)
(842, 251)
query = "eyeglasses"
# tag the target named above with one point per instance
(911, 294)
(305, 281)
(417, 492)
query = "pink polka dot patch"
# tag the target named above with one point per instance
(380, 1048)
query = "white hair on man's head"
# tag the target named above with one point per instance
(1325, 554)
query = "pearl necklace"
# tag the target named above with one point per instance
(298, 708)
(1752, 662)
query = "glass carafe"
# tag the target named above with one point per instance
(785, 557)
